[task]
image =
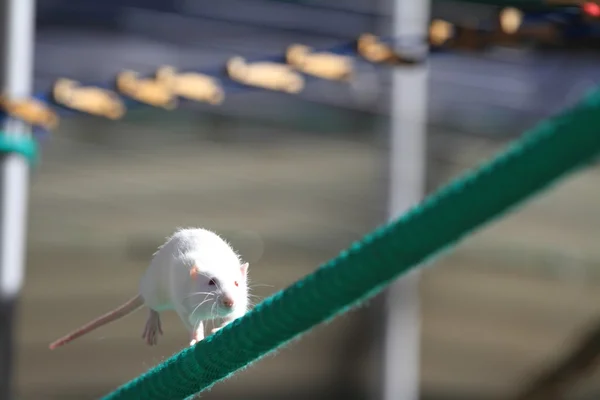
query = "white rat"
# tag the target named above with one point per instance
(195, 273)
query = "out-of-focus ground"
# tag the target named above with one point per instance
(504, 304)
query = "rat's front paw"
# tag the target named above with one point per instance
(214, 330)
(195, 339)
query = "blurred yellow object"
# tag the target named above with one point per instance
(267, 75)
(511, 20)
(323, 65)
(440, 31)
(149, 91)
(192, 86)
(30, 111)
(92, 100)
(372, 49)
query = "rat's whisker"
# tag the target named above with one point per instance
(199, 293)
(212, 311)
(198, 306)
(213, 315)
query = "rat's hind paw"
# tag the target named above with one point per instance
(152, 329)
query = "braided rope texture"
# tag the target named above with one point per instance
(557, 146)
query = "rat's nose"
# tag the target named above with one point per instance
(228, 302)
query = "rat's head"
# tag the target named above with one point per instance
(225, 288)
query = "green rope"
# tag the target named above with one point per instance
(556, 147)
(24, 145)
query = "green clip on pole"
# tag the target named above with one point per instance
(20, 144)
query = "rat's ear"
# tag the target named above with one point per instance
(244, 268)
(194, 272)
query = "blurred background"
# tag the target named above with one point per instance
(292, 180)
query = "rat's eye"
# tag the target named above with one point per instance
(236, 283)
(212, 282)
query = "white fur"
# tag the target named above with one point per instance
(167, 284)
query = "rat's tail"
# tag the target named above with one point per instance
(123, 310)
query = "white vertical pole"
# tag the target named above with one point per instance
(17, 22)
(408, 115)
